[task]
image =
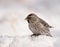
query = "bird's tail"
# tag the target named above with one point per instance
(49, 35)
(51, 26)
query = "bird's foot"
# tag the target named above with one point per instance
(35, 35)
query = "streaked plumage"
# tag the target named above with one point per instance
(37, 25)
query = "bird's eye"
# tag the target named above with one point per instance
(29, 17)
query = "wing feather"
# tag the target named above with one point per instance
(45, 23)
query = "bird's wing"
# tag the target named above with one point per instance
(42, 28)
(45, 23)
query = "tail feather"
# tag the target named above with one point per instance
(50, 26)
(49, 35)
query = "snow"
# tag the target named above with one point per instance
(5, 40)
(27, 41)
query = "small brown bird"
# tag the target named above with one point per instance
(37, 25)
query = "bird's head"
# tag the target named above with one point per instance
(31, 18)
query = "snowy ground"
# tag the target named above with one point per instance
(13, 26)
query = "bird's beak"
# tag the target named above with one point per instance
(26, 18)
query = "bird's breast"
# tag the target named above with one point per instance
(34, 28)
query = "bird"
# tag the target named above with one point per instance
(37, 25)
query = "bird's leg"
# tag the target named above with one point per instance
(35, 35)
(38, 34)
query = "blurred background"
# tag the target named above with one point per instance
(13, 13)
